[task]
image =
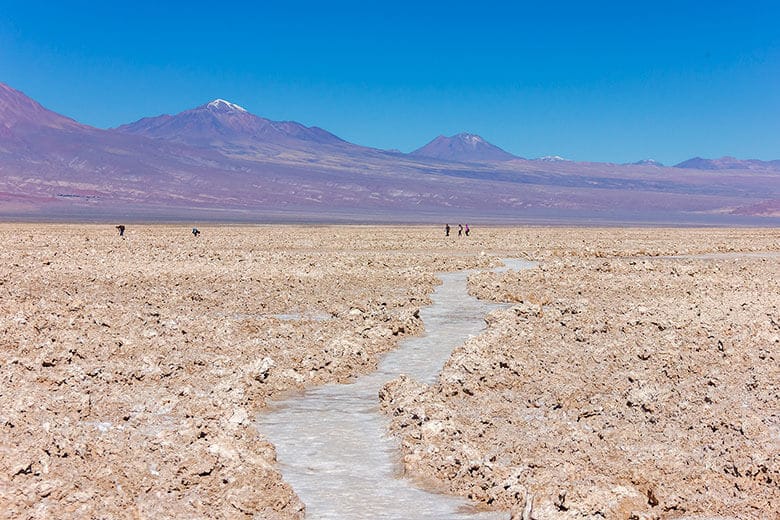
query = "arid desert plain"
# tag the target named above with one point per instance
(620, 382)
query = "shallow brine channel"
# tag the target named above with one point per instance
(332, 442)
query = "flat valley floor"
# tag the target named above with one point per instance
(636, 373)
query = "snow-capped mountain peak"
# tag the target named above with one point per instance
(221, 122)
(552, 158)
(225, 106)
(647, 162)
(470, 138)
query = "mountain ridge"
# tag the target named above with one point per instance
(18, 109)
(51, 165)
(728, 163)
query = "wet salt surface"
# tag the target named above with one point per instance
(331, 441)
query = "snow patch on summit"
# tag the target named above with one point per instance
(221, 104)
(471, 138)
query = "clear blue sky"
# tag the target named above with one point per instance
(588, 80)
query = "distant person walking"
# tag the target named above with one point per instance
(467, 230)
(460, 230)
(195, 232)
(446, 230)
(121, 229)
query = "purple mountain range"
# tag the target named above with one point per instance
(463, 147)
(218, 161)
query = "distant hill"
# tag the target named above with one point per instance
(728, 163)
(463, 147)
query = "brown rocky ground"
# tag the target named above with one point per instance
(131, 369)
(612, 388)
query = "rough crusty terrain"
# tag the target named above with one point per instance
(612, 388)
(132, 368)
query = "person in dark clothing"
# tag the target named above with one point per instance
(446, 230)
(195, 231)
(121, 229)
(467, 230)
(460, 230)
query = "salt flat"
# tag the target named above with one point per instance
(132, 367)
